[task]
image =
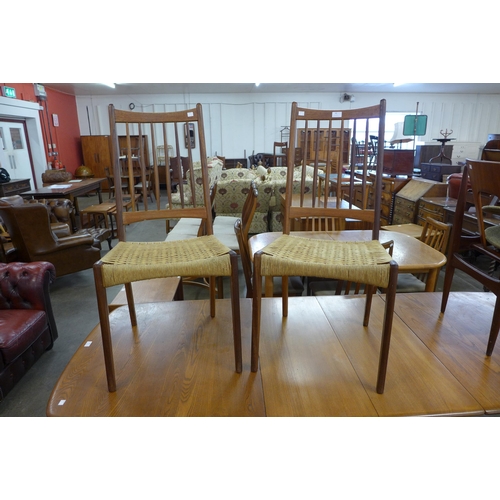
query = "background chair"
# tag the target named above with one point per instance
(111, 184)
(356, 261)
(33, 239)
(279, 154)
(484, 179)
(136, 261)
(435, 234)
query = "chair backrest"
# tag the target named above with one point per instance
(29, 228)
(162, 128)
(328, 129)
(485, 184)
(242, 229)
(435, 234)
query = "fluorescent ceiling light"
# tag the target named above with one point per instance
(112, 85)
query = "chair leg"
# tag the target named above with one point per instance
(495, 327)
(369, 290)
(390, 299)
(235, 311)
(103, 309)
(131, 304)
(256, 312)
(284, 295)
(448, 279)
(212, 281)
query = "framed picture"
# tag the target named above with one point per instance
(189, 135)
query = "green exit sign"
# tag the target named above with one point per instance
(9, 92)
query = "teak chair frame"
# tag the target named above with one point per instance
(290, 256)
(137, 261)
(484, 179)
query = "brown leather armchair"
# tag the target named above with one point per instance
(33, 239)
(27, 326)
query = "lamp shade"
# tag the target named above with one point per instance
(398, 137)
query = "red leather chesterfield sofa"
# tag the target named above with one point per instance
(27, 326)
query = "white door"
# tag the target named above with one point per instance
(14, 153)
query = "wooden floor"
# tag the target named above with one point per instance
(320, 361)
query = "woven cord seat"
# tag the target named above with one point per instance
(344, 260)
(136, 261)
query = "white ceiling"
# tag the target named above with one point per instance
(94, 89)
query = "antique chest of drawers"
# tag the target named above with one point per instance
(436, 171)
(390, 186)
(406, 201)
(434, 207)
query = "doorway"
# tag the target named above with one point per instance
(15, 155)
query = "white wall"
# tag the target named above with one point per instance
(237, 124)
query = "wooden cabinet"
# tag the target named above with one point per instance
(406, 202)
(96, 151)
(398, 161)
(307, 141)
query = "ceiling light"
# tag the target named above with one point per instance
(112, 85)
(257, 84)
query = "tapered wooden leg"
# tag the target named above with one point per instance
(256, 311)
(131, 304)
(213, 291)
(235, 309)
(390, 299)
(369, 290)
(284, 294)
(102, 307)
(448, 279)
(495, 326)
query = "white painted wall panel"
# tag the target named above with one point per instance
(236, 124)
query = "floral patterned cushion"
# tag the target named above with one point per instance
(214, 173)
(232, 191)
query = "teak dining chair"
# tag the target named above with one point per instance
(137, 261)
(484, 179)
(357, 261)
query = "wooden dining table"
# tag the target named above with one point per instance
(70, 189)
(412, 255)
